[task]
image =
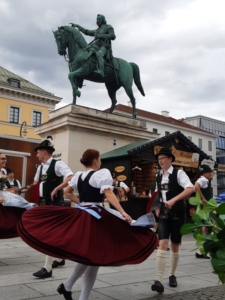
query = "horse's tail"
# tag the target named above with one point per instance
(137, 79)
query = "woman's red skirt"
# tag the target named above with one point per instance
(74, 234)
(9, 217)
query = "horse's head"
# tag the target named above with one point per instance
(67, 36)
(61, 38)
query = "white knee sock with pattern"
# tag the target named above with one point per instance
(174, 257)
(160, 264)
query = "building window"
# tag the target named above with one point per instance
(14, 82)
(190, 138)
(36, 118)
(155, 130)
(210, 145)
(167, 133)
(200, 143)
(14, 115)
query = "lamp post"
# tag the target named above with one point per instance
(23, 132)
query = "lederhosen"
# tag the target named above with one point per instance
(207, 192)
(9, 186)
(50, 182)
(88, 193)
(170, 221)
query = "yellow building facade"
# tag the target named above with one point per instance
(23, 106)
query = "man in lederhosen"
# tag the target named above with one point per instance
(50, 176)
(174, 186)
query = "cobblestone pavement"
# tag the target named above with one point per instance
(133, 282)
(210, 293)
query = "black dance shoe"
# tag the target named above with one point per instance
(62, 291)
(158, 287)
(172, 281)
(43, 273)
(197, 255)
(56, 264)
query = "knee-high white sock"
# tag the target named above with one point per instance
(78, 271)
(160, 264)
(88, 282)
(174, 257)
(48, 263)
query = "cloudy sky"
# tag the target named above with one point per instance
(179, 46)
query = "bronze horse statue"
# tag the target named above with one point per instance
(117, 74)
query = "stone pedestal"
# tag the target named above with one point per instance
(76, 128)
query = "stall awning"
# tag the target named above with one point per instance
(123, 151)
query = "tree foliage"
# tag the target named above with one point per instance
(212, 216)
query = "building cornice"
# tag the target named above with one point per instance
(29, 97)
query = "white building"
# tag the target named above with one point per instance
(218, 128)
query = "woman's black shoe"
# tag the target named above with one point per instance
(62, 291)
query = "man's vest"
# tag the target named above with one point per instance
(88, 193)
(174, 189)
(207, 192)
(9, 186)
(50, 182)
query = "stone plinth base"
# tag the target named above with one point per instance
(76, 128)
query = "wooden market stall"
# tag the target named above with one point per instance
(139, 166)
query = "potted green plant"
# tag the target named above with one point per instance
(212, 216)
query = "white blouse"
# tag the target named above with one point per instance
(100, 179)
(203, 182)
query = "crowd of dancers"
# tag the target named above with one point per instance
(88, 233)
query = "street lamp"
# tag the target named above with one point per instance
(23, 132)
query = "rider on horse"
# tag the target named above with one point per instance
(101, 45)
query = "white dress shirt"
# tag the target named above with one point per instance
(61, 169)
(11, 182)
(182, 179)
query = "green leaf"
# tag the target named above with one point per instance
(195, 201)
(221, 254)
(210, 206)
(203, 215)
(211, 237)
(208, 245)
(221, 234)
(220, 222)
(221, 209)
(218, 265)
(221, 277)
(200, 242)
(197, 231)
(197, 219)
(197, 196)
(188, 228)
(198, 208)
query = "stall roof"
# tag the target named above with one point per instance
(136, 148)
(163, 139)
(123, 151)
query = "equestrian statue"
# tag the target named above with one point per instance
(95, 61)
